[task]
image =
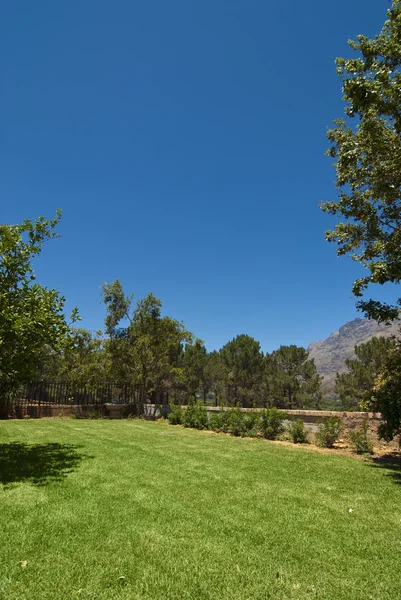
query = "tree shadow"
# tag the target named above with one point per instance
(38, 464)
(391, 463)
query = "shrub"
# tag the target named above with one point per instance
(175, 416)
(91, 414)
(224, 419)
(328, 432)
(215, 421)
(271, 422)
(235, 421)
(251, 424)
(298, 432)
(196, 415)
(359, 439)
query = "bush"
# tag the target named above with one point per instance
(251, 424)
(359, 439)
(328, 432)
(298, 432)
(196, 415)
(235, 421)
(215, 421)
(175, 416)
(91, 414)
(271, 422)
(220, 421)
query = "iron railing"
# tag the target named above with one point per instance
(48, 393)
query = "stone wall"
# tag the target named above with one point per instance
(55, 410)
(155, 411)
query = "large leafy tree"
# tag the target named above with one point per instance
(83, 360)
(31, 316)
(366, 146)
(144, 346)
(243, 362)
(357, 384)
(293, 381)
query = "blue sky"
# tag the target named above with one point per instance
(185, 143)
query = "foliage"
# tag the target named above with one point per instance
(194, 361)
(360, 440)
(251, 425)
(31, 316)
(196, 415)
(233, 420)
(243, 363)
(83, 360)
(147, 350)
(271, 423)
(298, 432)
(386, 397)
(293, 380)
(357, 384)
(175, 416)
(229, 421)
(164, 361)
(367, 161)
(218, 421)
(239, 423)
(329, 431)
(215, 375)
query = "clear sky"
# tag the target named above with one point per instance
(185, 143)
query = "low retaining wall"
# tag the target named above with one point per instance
(34, 411)
(155, 411)
(351, 420)
(312, 416)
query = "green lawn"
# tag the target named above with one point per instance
(132, 509)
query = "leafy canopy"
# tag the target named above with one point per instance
(31, 316)
(243, 363)
(293, 380)
(357, 384)
(366, 146)
(144, 347)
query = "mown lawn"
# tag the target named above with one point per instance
(132, 509)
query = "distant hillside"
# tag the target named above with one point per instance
(330, 354)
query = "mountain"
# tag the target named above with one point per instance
(330, 354)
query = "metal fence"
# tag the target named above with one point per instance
(51, 393)
(48, 393)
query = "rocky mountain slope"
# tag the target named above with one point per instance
(330, 354)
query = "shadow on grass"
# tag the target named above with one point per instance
(391, 463)
(37, 463)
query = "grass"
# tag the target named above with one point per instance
(138, 510)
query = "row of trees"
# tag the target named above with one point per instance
(139, 346)
(164, 360)
(155, 353)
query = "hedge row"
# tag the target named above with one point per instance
(268, 423)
